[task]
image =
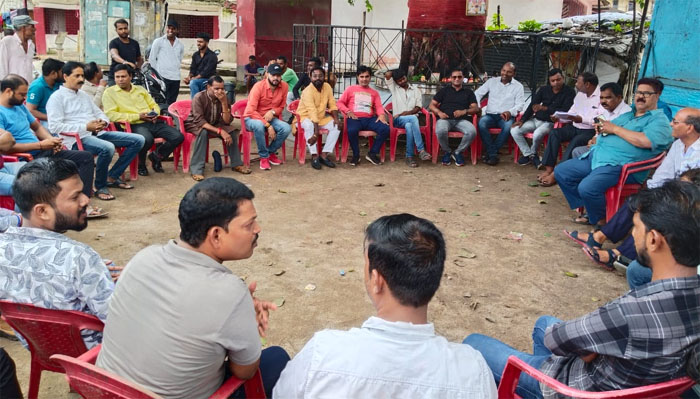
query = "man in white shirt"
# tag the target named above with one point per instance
(407, 102)
(165, 57)
(586, 107)
(71, 110)
(94, 85)
(395, 354)
(17, 51)
(506, 100)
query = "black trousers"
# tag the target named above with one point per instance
(85, 162)
(9, 386)
(160, 129)
(576, 138)
(172, 89)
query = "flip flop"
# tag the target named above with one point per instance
(593, 255)
(581, 219)
(119, 183)
(241, 169)
(96, 212)
(197, 177)
(591, 242)
(105, 192)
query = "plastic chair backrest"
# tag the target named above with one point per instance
(238, 108)
(293, 106)
(514, 366)
(50, 331)
(95, 383)
(181, 109)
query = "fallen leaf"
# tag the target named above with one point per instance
(476, 189)
(462, 235)
(100, 235)
(544, 194)
(263, 341)
(329, 242)
(363, 213)
(475, 214)
(458, 263)
(279, 302)
(467, 295)
(594, 299)
(474, 305)
(244, 278)
(547, 234)
(542, 202)
(310, 287)
(570, 274)
(442, 210)
(465, 253)
(270, 263)
(382, 204)
(490, 320)
(279, 272)
(533, 183)
(502, 179)
(282, 191)
(351, 271)
(378, 184)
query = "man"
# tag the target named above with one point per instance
(158, 334)
(634, 136)
(315, 100)
(613, 106)
(506, 100)
(288, 76)
(41, 89)
(251, 73)
(57, 272)
(454, 105)
(305, 79)
(33, 138)
(94, 85)
(17, 51)
(538, 116)
(8, 170)
(586, 107)
(407, 102)
(643, 337)
(71, 110)
(127, 102)
(9, 385)
(395, 354)
(210, 116)
(363, 109)
(203, 65)
(261, 116)
(165, 57)
(123, 49)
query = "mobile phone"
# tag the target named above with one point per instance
(152, 114)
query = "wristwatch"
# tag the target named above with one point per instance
(273, 112)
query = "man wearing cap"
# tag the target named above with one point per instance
(265, 104)
(165, 57)
(17, 51)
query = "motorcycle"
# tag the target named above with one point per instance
(150, 79)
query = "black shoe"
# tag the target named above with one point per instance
(155, 163)
(316, 164)
(522, 161)
(143, 171)
(355, 160)
(327, 162)
(493, 161)
(218, 165)
(536, 161)
(373, 158)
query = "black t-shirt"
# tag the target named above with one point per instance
(128, 51)
(452, 100)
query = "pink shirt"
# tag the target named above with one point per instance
(363, 102)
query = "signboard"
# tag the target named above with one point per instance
(476, 7)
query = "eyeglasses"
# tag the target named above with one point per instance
(675, 121)
(645, 93)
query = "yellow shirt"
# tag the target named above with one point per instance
(121, 105)
(314, 103)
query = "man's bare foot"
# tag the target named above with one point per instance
(548, 180)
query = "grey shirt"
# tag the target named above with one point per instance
(174, 316)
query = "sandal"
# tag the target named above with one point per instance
(94, 212)
(595, 257)
(591, 242)
(241, 169)
(581, 219)
(104, 194)
(119, 183)
(197, 177)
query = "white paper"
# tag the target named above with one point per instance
(564, 116)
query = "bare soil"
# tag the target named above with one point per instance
(312, 229)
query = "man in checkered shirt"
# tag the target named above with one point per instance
(643, 337)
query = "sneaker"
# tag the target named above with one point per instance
(447, 159)
(525, 160)
(274, 160)
(424, 155)
(411, 162)
(265, 164)
(316, 163)
(355, 160)
(536, 161)
(373, 158)
(493, 161)
(459, 159)
(326, 162)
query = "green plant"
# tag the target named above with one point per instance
(368, 5)
(557, 31)
(617, 28)
(647, 24)
(494, 23)
(529, 26)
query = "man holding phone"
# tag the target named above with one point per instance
(133, 104)
(71, 110)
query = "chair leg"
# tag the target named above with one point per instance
(186, 153)
(176, 157)
(34, 379)
(393, 141)
(346, 144)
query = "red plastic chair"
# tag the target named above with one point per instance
(362, 133)
(615, 195)
(474, 147)
(514, 366)
(48, 332)
(495, 131)
(176, 153)
(133, 166)
(530, 135)
(395, 132)
(300, 141)
(181, 109)
(95, 383)
(6, 201)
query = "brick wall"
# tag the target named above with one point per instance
(190, 25)
(444, 14)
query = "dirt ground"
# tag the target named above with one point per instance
(312, 228)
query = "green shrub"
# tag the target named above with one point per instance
(529, 26)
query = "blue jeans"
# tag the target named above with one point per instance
(496, 354)
(7, 176)
(196, 85)
(272, 362)
(410, 123)
(583, 186)
(103, 147)
(368, 123)
(282, 129)
(637, 275)
(494, 120)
